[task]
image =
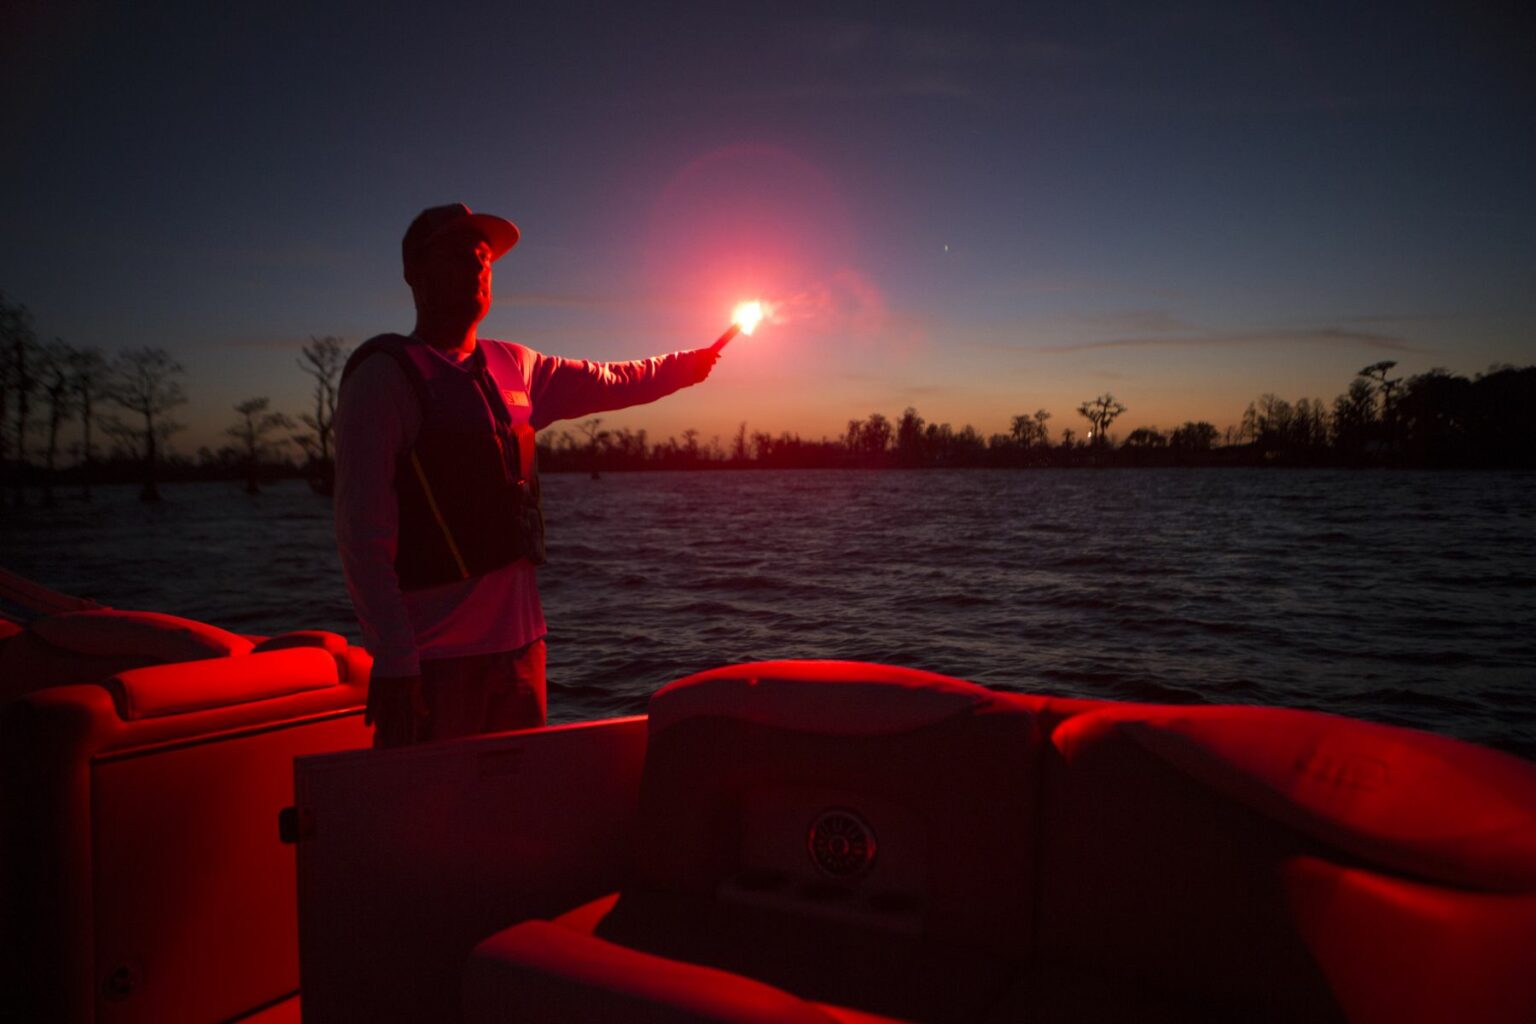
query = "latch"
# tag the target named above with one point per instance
(295, 824)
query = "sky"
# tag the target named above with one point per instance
(978, 210)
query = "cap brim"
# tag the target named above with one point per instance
(501, 233)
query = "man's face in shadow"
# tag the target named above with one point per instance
(451, 279)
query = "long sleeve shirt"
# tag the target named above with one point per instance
(377, 420)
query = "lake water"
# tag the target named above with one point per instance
(1401, 597)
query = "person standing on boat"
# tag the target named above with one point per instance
(438, 519)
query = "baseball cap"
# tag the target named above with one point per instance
(435, 221)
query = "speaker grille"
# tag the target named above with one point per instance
(841, 844)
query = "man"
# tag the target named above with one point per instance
(437, 495)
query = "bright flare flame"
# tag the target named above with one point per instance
(748, 315)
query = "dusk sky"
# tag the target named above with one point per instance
(977, 210)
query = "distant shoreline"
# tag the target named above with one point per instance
(67, 492)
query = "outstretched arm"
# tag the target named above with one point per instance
(565, 389)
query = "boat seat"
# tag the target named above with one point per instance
(554, 980)
(84, 646)
(1043, 860)
(857, 835)
(557, 975)
(1289, 865)
(144, 879)
(94, 645)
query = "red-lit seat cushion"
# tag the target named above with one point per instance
(352, 663)
(219, 682)
(1412, 802)
(846, 698)
(540, 971)
(1397, 951)
(86, 646)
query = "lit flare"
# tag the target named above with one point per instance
(744, 320)
(748, 315)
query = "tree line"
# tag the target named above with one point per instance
(70, 416)
(1431, 420)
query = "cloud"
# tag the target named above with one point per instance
(1395, 318)
(1314, 336)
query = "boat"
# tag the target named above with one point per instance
(776, 841)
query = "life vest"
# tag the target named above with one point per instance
(469, 487)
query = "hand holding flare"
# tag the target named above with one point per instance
(744, 321)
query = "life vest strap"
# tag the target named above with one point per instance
(437, 514)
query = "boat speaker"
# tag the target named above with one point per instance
(841, 844)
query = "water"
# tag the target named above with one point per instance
(1407, 598)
